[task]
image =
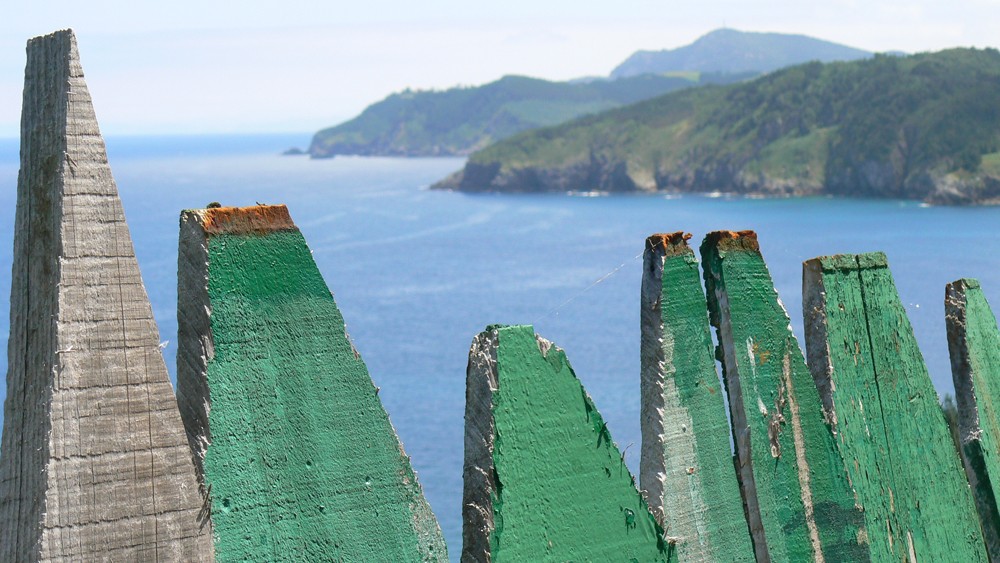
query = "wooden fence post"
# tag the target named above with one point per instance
(974, 343)
(94, 464)
(543, 480)
(878, 397)
(686, 468)
(296, 454)
(799, 502)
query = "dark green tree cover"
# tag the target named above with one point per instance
(923, 126)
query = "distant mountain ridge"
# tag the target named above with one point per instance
(731, 51)
(459, 121)
(923, 127)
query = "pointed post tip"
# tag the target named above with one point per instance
(961, 284)
(847, 262)
(61, 35)
(732, 240)
(669, 243)
(255, 219)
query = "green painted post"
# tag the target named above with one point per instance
(879, 399)
(543, 480)
(799, 502)
(860, 431)
(296, 454)
(686, 468)
(974, 343)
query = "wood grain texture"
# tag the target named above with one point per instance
(544, 481)
(882, 405)
(974, 345)
(799, 503)
(94, 463)
(297, 458)
(686, 469)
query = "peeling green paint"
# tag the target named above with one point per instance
(558, 486)
(881, 402)
(974, 343)
(800, 506)
(686, 468)
(303, 463)
(854, 409)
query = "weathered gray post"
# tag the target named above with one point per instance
(94, 462)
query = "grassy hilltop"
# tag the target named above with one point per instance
(925, 126)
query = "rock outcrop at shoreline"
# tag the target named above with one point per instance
(615, 177)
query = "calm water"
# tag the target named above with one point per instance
(418, 273)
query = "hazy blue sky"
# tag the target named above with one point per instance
(192, 67)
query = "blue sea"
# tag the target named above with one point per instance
(418, 273)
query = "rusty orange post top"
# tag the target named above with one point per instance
(256, 219)
(733, 240)
(670, 243)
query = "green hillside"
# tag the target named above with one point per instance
(729, 50)
(461, 120)
(920, 127)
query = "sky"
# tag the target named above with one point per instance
(212, 66)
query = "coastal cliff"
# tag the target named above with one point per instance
(922, 127)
